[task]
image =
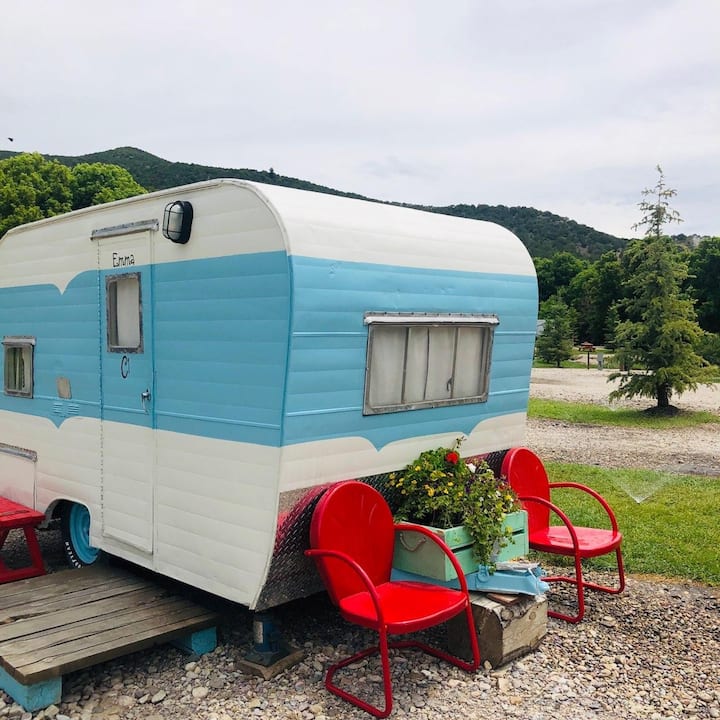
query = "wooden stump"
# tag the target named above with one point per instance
(508, 626)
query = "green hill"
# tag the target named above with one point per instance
(543, 233)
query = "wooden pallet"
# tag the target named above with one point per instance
(67, 621)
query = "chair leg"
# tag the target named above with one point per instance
(471, 666)
(383, 648)
(621, 578)
(581, 584)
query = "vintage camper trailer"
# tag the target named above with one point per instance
(183, 370)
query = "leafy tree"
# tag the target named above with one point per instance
(581, 295)
(95, 183)
(554, 344)
(555, 273)
(710, 345)
(592, 293)
(660, 332)
(32, 188)
(610, 290)
(704, 273)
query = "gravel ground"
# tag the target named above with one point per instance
(692, 451)
(651, 653)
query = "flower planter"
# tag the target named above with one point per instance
(517, 546)
(417, 554)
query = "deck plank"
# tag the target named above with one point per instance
(66, 592)
(55, 582)
(39, 637)
(64, 618)
(68, 601)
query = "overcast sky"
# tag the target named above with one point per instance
(561, 105)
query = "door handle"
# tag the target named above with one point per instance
(145, 398)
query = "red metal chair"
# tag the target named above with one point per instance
(352, 539)
(527, 476)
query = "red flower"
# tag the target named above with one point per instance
(452, 457)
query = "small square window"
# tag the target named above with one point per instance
(124, 313)
(18, 366)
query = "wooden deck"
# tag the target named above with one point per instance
(66, 621)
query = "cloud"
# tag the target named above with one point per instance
(393, 167)
(565, 105)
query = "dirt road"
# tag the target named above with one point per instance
(692, 451)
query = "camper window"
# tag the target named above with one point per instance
(18, 362)
(124, 313)
(417, 360)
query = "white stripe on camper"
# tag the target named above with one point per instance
(214, 502)
(312, 463)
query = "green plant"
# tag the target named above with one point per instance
(442, 490)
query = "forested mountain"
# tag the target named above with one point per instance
(154, 173)
(543, 233)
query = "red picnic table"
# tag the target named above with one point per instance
(14, 516)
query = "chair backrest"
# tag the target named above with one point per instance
(527, 476)
(354, 518)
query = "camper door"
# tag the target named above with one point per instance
(127, 387)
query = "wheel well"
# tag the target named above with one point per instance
(55, 509)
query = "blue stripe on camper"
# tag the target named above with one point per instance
(221, 346)
(65, 326)
(327, 359)
(221, 336)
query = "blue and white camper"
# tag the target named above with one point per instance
(183, 369)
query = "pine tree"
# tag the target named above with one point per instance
(657, 339)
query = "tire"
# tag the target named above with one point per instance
(75, 529)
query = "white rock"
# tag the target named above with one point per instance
(158, 697)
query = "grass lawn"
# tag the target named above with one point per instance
(589, 414)
(669, 522)
(564, 364)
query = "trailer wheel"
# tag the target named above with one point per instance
(75, 528)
